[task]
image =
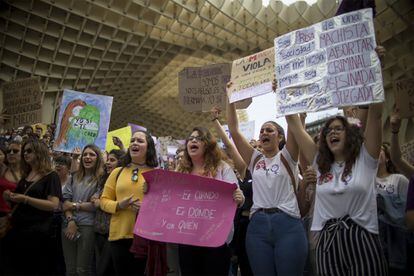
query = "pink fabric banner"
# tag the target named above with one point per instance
(186, 209)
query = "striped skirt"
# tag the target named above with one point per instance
(345, 248)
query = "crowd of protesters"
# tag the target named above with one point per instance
(339, 203)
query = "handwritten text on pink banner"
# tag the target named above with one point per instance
(186, 209)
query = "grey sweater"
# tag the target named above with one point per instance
(81, 191)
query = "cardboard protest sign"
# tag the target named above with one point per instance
(124, 134)
(186, 209)
(202, 88)
(83, 119)
(329, 64)
(404, 97)
(246, 128)
(22, 100)
(407, 152)
(252, 75)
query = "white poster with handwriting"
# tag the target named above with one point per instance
(329, 64)
(252, 75)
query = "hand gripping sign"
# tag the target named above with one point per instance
(186, 209)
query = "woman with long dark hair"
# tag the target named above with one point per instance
(10, 172)
(392, 189)
(276, 239)
(203, 157)
(78, 237)
(30, 245)
(103, 256)
(345, 210)
(5, 182)
(121, 197)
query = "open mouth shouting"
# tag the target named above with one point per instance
(334, 140)
(193, 148)
(88, 163)
(134, 150)
(265, 139)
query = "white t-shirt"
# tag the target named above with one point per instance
(394, 184)
(226, 173)
(272, 185)
(355, 197)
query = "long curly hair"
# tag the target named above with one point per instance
(353, 142)
(213, 155)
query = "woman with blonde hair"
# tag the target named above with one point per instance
(203, 157)
(78, 236)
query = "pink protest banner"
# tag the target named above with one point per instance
(186, 209)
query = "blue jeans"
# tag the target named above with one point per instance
(79, 254)
(276, 244)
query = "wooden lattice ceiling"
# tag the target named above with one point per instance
(133, 49)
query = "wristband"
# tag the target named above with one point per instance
(69, 219)
(363, 107)
(214, 119)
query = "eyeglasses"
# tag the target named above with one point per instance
(12, 151)
(198, 138)
(134, 177)
(336, 129)
(27, 151)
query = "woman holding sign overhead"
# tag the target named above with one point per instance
(203, 157)
(121, 197)
(345, 210)
(276, 239)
